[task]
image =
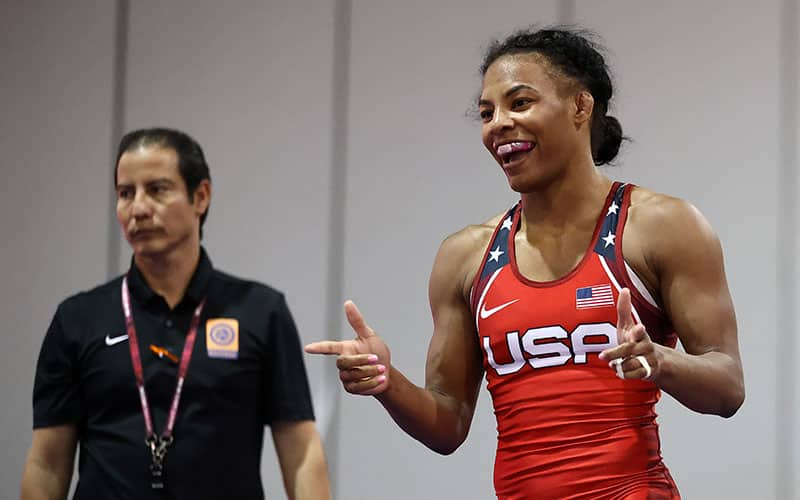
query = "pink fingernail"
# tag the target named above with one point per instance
(382, 379)
(372, 358)
(381, 368)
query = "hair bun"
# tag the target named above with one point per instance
(609, 138)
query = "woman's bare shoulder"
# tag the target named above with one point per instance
(461, 252)
(472, 238)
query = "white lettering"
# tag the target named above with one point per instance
(512, 340)
(604, 335)
(546, 353)
(546, 348)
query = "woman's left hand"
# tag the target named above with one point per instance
(636, 356)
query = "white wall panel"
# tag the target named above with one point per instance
(697, 92)
(55, 142)
(794, 140)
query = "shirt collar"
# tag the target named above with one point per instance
(197, 289)
(198, 285)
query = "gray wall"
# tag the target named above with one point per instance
(788, 353)
(55, 140)
(341, 156)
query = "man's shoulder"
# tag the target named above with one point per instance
(100, 295)
(231, 285)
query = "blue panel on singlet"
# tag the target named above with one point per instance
(498, 248)
(606, 243)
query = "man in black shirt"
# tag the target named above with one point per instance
(166, 376)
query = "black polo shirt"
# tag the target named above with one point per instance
(84, 376)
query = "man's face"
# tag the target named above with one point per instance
(153, 204)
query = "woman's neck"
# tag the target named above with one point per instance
(566, 200)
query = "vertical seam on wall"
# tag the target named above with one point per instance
(787, 250)
(336, 217)
(118, 81)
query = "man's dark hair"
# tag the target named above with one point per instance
(191, 160)
(571, 53)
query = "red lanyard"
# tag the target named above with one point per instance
(158, 446)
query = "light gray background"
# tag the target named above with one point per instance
(341, 157)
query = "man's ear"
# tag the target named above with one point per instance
(584, 105)
(202, 197)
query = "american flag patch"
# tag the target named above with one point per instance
(593, 296)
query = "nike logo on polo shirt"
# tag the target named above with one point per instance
(485, 313)
(116, 340)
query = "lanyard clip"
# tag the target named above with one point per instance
(151, 442)
(158, 447)
(158, 450)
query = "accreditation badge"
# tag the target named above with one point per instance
(222, 338)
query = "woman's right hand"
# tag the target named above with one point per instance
(364, 363)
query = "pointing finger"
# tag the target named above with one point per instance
(356, 321)
(325, 347)
(624, 316)
(621, 351)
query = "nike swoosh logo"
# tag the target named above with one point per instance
(116, 340)
(485, 313)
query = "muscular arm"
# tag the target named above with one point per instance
(302, 460)
(48, 468)
(686, 257)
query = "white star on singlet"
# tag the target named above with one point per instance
(495, 254)
(609, 239)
